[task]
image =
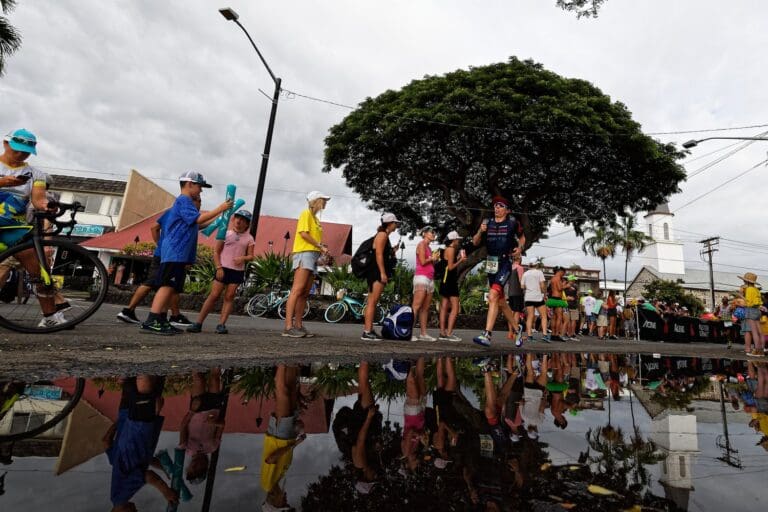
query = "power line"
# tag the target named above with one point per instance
(722, 185)
(289, 94)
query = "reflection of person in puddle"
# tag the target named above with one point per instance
(131, 442)
(365, 415)
(202, 426)
(759, 412)
(414, 415)
(284, 433)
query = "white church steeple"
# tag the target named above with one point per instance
(665, 252)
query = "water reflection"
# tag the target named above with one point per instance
(520, 432)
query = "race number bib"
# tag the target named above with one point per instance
(486, 445)
(492, 264)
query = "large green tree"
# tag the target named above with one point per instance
(582, 8)
(437, 150)
(10, 39)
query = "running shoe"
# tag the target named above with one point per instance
(180, 321)
(128, 316)
(292, 333)
(426, 337)
(53, 320)
(307, 334)
(222, 329)
(370, 336)
(195, 327)
(453, 337)
(546, 339)
(156, 327)
(483, 339)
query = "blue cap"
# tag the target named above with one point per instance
(194, 177)
(244, 214)
(22, 140)
(396, 369)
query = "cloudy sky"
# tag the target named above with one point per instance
(163, 87)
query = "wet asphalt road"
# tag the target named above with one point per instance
(104, 345)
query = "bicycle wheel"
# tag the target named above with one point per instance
(283, 306)
(380, 314)
(257, 305)
(36, 411)
(76, 281)
(335, 312)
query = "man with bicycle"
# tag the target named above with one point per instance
(22, 185)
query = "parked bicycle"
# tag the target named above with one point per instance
(32, 408)
(273, 302)
(67, 274)
(338, 310)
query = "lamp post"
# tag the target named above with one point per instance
(231, 15)
(693, 143)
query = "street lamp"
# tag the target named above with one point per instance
(693, 143)
(231, 15)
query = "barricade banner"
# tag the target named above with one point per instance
(651, 325)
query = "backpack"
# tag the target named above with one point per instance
(364, 257)
(398, 324)
(440, 266)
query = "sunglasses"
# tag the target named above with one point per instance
(21, 140)
(499, 205)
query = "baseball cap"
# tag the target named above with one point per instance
(268, 507)
(453, 235)
(364, 487)
(396, 369)
(571, 277)
(426, 229)
(244, 214)
(500, 199)
(440, 463)
(389, 217)
(316, 194)
(194, 177)
(22, 140)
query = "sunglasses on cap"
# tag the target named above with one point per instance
(500, 205)
(22, 140)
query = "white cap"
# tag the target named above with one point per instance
(389, 217)
(440, 463)
(453, 235)
(315, 194)
(268, 507)
(364, 487)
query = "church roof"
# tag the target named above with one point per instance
(698, 279)
(662, 208)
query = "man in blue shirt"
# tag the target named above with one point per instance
(179, 248)
(504, 239)
(131, 442)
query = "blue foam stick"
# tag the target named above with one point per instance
(224, 222)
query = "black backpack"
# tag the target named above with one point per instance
(364, 257)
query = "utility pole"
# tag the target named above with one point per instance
(709, 247)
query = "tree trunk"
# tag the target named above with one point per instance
(605, 277)
(626, 264)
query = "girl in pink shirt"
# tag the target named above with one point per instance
(230, 256)
(423, 283)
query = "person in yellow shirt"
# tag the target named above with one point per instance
(307, 247)
(284, 433)
(754, 302)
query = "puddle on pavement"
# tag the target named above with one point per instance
(534, 432)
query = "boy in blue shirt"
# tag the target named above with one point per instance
(179, 248)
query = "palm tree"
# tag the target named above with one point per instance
(601, 244)
(10, 39)
(630, 240)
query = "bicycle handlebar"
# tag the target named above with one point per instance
(57, 209)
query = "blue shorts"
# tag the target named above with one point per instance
(500, 278)
(591, 319)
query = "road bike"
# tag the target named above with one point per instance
(338, 310)
(28, 409)
(273, 302)
(64, 273)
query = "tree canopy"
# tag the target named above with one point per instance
(437, 150)
(582, 8)
(10, 39)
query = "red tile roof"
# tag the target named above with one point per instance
(338, 237)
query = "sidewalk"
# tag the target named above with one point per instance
(106, 346)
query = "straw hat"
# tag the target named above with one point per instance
(749, 277)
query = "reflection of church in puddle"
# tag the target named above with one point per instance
(676, 435)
